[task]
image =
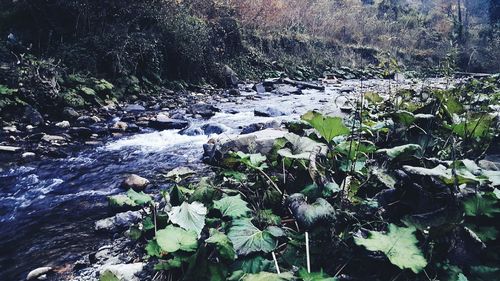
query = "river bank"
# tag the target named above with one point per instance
(136, 139)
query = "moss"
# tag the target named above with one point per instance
(72, 99)
(103, 86)
(86, 91)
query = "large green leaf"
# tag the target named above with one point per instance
(190, 216)
(317, 211)
(108, 276)
(153, 249)
(481, 206)
(248, 239)
(401, 152)
(373, 97)
(405, 117)
(476, 127)
(121, 200)
(172, 238)
(139, 198)
(254, 264)
(255, 161)
(399, 244)
(328, 127)
(353, 149)
(222, 244)
(314, 276)
(267, 276)
(232, 206)
(300, 147)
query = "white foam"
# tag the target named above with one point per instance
(157, 141)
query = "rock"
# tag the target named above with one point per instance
(80, 132)
(233, 92)
(32, 116)
(119, 126)
(260, 126)
(10, 129)
(162, 122)
(36, 273)
(257, 142)
(134, 108)
(118, 222)
(213, 128)
(99, 130)
(28, 156)
(192, 131)
(10, 149)
(135, 182)
(70, 113)
(51, 138)
(124, 272)
(489, 165)
(230, 76)
(345, 89)
(346, 108)
(205, 110)
(259, 88)
(133, 128)
(268, 112)
(63, 125)
(86, 120)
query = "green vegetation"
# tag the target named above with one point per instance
(372, 196)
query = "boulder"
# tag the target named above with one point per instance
(192, 131)
(203, 109)
(118, 222)
(257, 142)
(80, 132)
(260, 126)
(134, 108)
(28, 156)
(268, 112)
(259, 88)
(119, 126)
(10, 129)
(36, 273)
(124, 272)
(32, 116)
(214, 128)
(51, 138)
(233, 92)
(165, 123)
(63, 125)
(230, 76)
(135, 182)
(70, 113)
(86, 120)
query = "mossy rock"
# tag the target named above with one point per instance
(86, 91)
(72, 99)
(75, 79)
(103, 86)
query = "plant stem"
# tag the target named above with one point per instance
(308, 256)
(276, 263)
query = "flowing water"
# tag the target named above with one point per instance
(48, 207)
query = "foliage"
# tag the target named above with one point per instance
(399, 245)
(247, 238)
(348, 187)
(172, 239)
(190, 216)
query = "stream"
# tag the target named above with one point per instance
(48, 208)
